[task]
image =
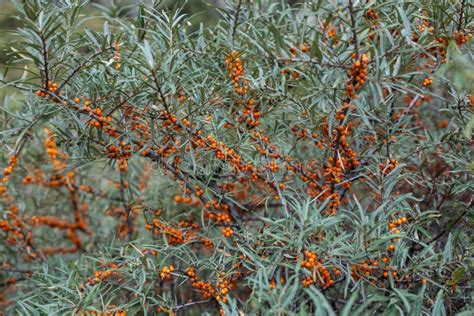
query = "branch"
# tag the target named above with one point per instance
(160, 92)
(44, 52)
(78, 68)
(236, 18)
(353, 26)
(461, 14)
(176, 308)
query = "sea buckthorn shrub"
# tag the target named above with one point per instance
(304, 159)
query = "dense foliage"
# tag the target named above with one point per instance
(305, 159)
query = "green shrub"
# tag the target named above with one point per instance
(306, 159)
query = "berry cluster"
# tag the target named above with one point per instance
(51, 87)
(388, 167)
(357, 74)
(462, 37)
(323, 277)
(165, 273)
(207, 290)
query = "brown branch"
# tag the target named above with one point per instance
(236, 18)
(461, 15)
(353, 27)
(78, 68)
(44, 53)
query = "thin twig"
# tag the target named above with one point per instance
(45, 62)
(79, 67)
(176, 308)
(312, 61)
(353, 27)
(461, 15)
(236, 18)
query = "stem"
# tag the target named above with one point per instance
(44, 52)
(236, 18)
(78, 68)
(461, 14)
(353, 26)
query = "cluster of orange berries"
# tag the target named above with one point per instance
(50, 145)
(348, 158)
(181, 199)
(122, 152)
(342, 112)
(343, 158)
(377, 271)
(300, 132)
(168, 119)
(371, 15)
(364, 268)
(358, 74)
(323, 277)
(331, 31)
(188, 200)
(214, 204)
(295, 74)
(227, 231)
(166, 271)
(98, 119)
(462, 37)
(250, 115)
(100, 275)
(304, 48)
(71, 233)
(221, 217)
(12, 161)
(173, 235)
(273, 166)
(235, 72)
(372, 267)
(441, 48)
(224, 153)
(5, 226)
(58, 160)
(388, 167)
(273, 284)
(207, 243)
(393, 225)
(426, 25)
(427, 82)
(52, 87)
(207, 290)
(335, 169)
